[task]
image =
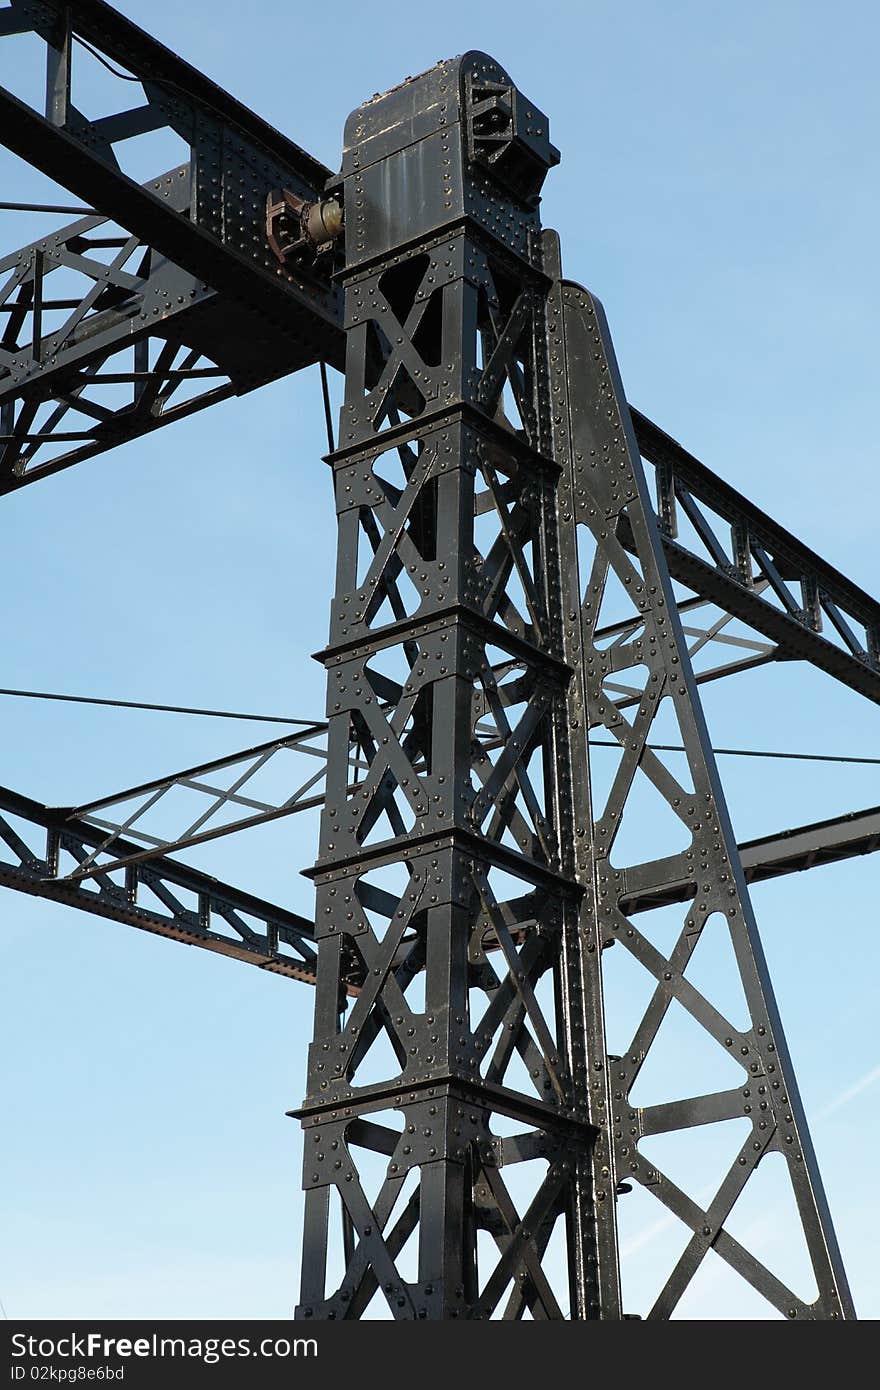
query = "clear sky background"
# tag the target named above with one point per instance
(718, 190)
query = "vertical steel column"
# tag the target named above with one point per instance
(450, 1165)
(624, 641)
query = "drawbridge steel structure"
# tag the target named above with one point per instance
(526, 570)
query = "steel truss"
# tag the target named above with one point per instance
(62, 856)
(489, 490)
(510, 598)
(179, 289)
(167, 898)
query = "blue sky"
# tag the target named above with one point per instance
(718, 192)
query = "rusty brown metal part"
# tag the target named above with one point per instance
(297, 229)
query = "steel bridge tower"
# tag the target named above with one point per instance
(490, 500)
(508, 602)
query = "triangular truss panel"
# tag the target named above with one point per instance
(613, 540)
(541, 1002)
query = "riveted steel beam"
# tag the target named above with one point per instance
(195, 290)
(615, 560)
(40, 870)
(729, 552)
(163, 897)
(446, 679)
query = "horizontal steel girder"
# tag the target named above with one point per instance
(773, 856)
(141, 209)
(164, 897)
(197, 271)
(280, 942)
(758, 571)
(206, 285)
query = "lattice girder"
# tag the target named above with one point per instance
(440, 881)
(604, 502)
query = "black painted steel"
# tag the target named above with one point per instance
(741, 560)
(612, 550)
(810, 846)
(464, 1125)
(791, 851)
(194, 296)
(117, 883)
(135, 826)
(460, 542)
(447, 571)
(163, 897)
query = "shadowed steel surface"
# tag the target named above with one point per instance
(613, 540)
(503, 607)
(48, 844)
(194, 295)
(167, 898)
(448, 568)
